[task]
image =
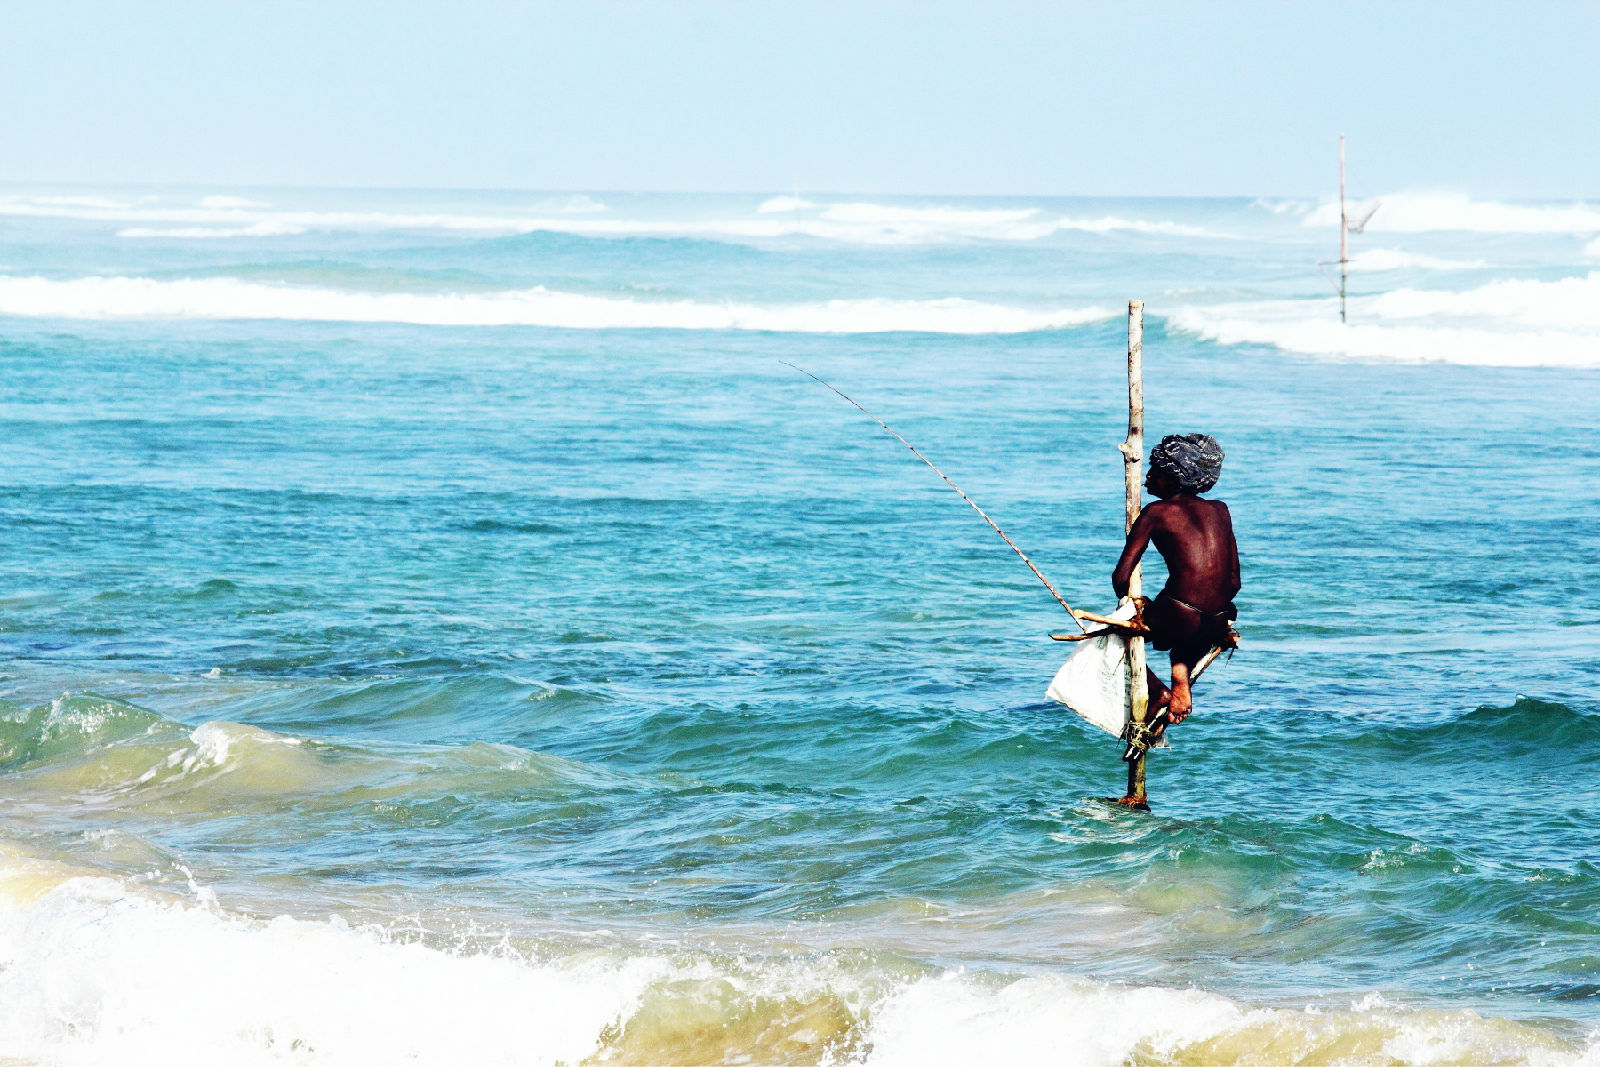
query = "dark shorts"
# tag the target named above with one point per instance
(1186, 629)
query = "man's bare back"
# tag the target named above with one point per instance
(1195, 538)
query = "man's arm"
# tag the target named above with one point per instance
(1233, 560)
(1138, 539)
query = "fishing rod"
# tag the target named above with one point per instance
(992, 525)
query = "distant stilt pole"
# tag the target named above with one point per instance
(1344, 234)
(1133, 483)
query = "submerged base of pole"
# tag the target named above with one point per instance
(1131, 803)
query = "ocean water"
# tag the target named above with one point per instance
(438, 627)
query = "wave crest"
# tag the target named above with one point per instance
(67, 726)
(1510, 323)
(774, 219)
(232, 298)
(77, 984)
(1376, 259)
(1442, 212)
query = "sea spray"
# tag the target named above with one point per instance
(96, 971)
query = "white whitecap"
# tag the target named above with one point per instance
(784, 203)
(233, 298)
(98, 970)
(1443, 212)
(1283, 207)
(1376, 259)
(95, 973)
(66, 204)
(855, 223)
(1568, 303)
(229, 202)
(1509, 322)
(267, 228)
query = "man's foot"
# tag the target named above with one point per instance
(1182, 702)
(1157, 717)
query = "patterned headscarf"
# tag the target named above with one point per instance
(1193, 461)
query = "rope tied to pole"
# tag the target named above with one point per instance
(985, 515)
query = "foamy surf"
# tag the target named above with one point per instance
(1508, 323)
(265, 228)
(1384, 259)
(848, 222)
(1426, 212)
(96, 969)
(231, 298)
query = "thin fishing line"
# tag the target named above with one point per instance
(1036, 572)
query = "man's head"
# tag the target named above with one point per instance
(1184, 463)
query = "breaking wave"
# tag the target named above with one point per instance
(231, 298)
(267, 228)
(101, 749)
(892, 221)
(784, 203)
(1432, 212)
(1376, 259)
(1512, 323)
(778, 217)
(81, 980)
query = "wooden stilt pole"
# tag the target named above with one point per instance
(1133, 483)
(1344, 234)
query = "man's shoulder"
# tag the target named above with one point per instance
(1190, 508)
(1220, 515)
(1161, 514)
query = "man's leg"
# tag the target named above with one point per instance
(1177, 701)
(1159, 697)
(1159, 693)
(1183, 662)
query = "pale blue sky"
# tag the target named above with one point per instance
(1124, 98)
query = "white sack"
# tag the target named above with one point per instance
(1093, 682)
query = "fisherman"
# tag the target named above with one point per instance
(1195, 537)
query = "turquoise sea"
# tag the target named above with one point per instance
(438, 627)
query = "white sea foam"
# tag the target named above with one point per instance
(957, 1019)
(1572, 303)
(92, 972)
(229, 202)
(1375, 259)
(784, 203)
(232, 298)
(860, 223)
(1283, 207)
(215, 741)
(214, 215)
(1429, 212)
(67, 205)
(1110, 223)
(1511, 322)
(909, 223)
(896, 214)
(96, 970)
(268, 228)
